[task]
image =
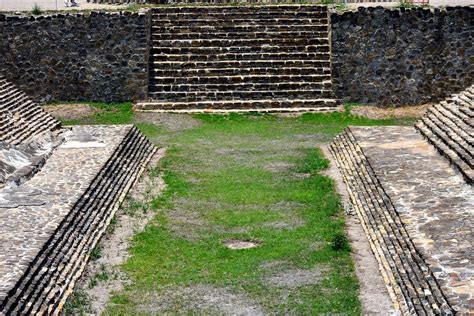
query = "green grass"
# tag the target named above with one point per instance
(250, 177)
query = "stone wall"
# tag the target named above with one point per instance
(398, 56)
(96, 56)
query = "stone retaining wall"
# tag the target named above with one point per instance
(398, 57)
(96, 56)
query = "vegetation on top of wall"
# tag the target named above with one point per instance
(406, 4)
(36, 10)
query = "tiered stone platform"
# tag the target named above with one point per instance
(416, 212)
(53, 218)
(449, 126)
(240, 57)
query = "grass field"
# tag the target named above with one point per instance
(250, 177)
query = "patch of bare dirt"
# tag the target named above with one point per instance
(237, 244)
(103, 276)
(70, 111)
(172, 122)
(200, 299)
(282, 275)
(377, 113)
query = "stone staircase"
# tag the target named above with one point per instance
(240, 57)
(410, 281)
(449, 126)
(20, 117)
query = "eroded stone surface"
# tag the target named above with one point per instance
(43, 201)
(434, 203)
(20, 162)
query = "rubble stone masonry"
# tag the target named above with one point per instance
(91, 56)
(402, 56)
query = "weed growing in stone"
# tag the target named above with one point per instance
(36, 10)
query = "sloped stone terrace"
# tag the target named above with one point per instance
(449, 126)
(414, 209)
(60, 188)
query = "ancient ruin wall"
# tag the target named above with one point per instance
(96, 56)
(398, 57)
(382, 56)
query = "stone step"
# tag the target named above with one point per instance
(309, 104)
(223, 15)
(45, 286)
(240, 79)
(27, 120)
(409, 280)
(263, 9)
(455, 125)
(223, 28)
(241, 42)
(453, 107)
(214, 50)
(237, 35)
(241, 22)
(450, 139)
(240, 87)
(451, 114)
(323, 69)
(12, 98)
(449, 126)
(241, 57)
(18, 133)
(468, 102)
(239, 95)
(290, 63)
(469, 93)
(263, 17)
(21, 117)
(452, 156)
